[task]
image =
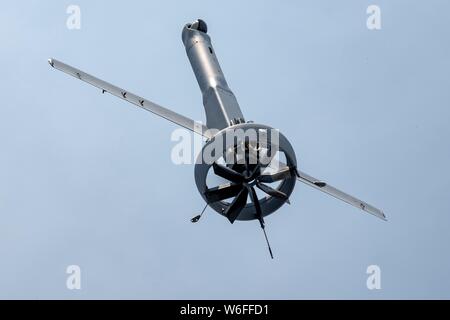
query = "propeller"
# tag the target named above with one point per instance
(243, 177)
(272, 192)
(237, 205)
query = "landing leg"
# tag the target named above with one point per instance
(263, 227)
(196, 218)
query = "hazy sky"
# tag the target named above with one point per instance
(87, 179)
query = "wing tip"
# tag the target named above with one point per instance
(373, 211)
(380, 214)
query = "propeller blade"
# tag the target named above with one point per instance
(272, 192)
(227, 173)
(222, 192)
(261, 221)
(256, 172)
(255, 201)
(238, 167)
(277, 176)
(237, 205)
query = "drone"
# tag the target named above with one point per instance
(259, 169)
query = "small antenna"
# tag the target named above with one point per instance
(196, 218)
(263, 227)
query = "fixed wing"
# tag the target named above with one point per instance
(256, 161)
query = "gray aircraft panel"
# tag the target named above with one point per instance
(134, 99)
(338, 194)
(325, 187)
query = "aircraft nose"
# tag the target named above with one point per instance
(199, 25)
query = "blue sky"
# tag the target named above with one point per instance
(87, 179)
